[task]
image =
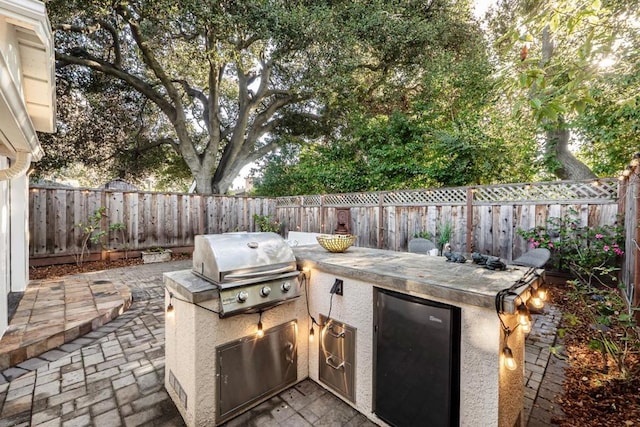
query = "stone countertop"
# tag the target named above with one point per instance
(186, 285)
(417, 274)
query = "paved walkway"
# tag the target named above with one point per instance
(114, 374)
(51, 313)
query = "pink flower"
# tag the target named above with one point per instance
(618, 251)
(606, 248)
(599, 236)
(550, 244)
(536, 244)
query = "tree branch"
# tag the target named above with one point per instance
(179, 122)
(89, 29)
(84, 59)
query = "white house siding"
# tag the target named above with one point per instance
(19, 226)
(5, 247)
(27, 105)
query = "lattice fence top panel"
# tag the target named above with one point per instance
(560, 192)
(311, 200)
(352, 199)
(598, 191)
(439, 196)
(288, 201)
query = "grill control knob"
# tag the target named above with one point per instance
(242, 296)
(285, 287)
(265, 291)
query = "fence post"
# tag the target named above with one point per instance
(636, 251)
(300, 213)
(380, 220)
(469, 243)
(104, 226)
(322, 214)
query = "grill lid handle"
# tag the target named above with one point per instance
(259, 273)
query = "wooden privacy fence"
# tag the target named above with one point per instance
(630, 205)
(150, 219)
(483, 219)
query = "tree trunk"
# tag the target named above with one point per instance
(568, 167)
(203, 182)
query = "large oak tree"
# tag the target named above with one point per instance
(224, 83)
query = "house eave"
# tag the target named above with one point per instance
(27, 100)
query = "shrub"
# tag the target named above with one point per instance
(265, 223)
(598, 310)
(590, 253)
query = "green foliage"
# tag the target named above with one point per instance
(265, 223)
(444, 233)
(590, 253)
(609, 127)
(448, 127)
(553, 56)
(92, 231)
(402, 151)
(157, 249)
(423, 235)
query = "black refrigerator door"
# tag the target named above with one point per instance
(417, 365)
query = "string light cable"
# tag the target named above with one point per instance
(171, 308)
(305, 282)
(521, 311)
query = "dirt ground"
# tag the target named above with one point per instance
(59, 270)
(592, 395)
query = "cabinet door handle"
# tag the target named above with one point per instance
(330, 363)
(333, 334)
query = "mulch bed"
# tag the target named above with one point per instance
(59, 270)
(592, 394)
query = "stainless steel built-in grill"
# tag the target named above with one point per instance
(252, 271)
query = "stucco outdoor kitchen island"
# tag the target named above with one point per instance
(365, 303)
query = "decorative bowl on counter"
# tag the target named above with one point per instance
(336, 242)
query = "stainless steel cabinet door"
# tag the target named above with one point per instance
(253, 369)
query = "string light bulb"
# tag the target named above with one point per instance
(311, 334)
(260, 331)
(524, 318)
(170, 308)
(536, 300)
(508, 359)
(543, 293)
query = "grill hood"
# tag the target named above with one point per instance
(229, 257)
